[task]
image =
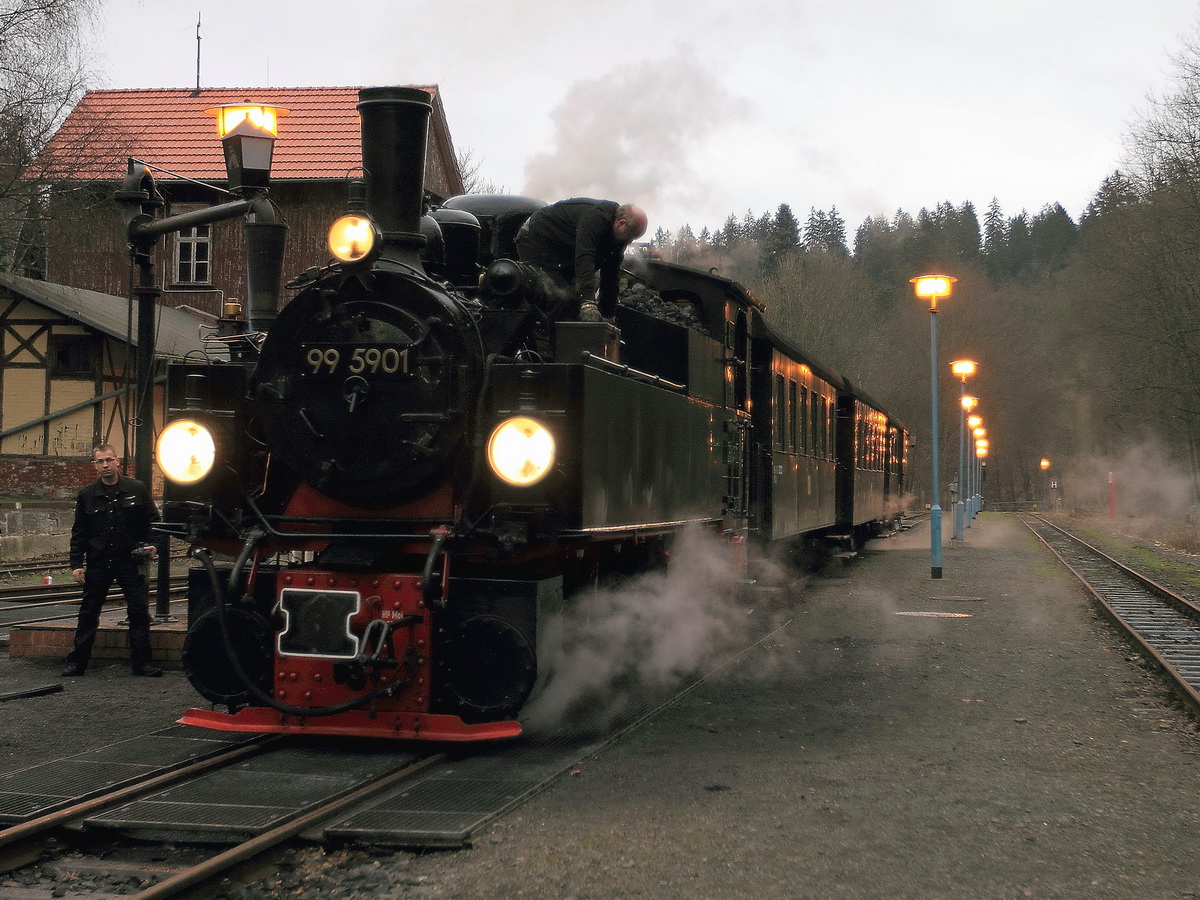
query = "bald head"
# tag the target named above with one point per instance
(630, 223)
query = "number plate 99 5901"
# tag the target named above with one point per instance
(354, 359)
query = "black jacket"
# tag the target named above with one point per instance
(575, 238)
(111, 520)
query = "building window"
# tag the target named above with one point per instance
(73, 356)
(193, 255)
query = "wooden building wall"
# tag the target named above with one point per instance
(42, 372)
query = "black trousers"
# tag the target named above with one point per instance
(99, 574)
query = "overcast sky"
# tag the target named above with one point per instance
(698, 108)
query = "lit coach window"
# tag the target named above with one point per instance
(521, 451)
(185, 451)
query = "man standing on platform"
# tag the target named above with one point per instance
(110, 537)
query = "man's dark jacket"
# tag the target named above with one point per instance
(111, 520)
(575, 239)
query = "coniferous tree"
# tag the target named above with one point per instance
(781, 236)
(1053, 236)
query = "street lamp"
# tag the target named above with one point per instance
(247, 132)
(933, 288)
(975, 424)
(964, 369)
(968, 404)
(1045, 466)
(981, 454)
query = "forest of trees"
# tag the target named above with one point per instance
(1086, 332)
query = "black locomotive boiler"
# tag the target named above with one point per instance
(392, 489)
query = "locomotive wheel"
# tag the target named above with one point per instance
(206, 658)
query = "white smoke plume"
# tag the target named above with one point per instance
(612, 648)
(629, 135)
(1148, 482)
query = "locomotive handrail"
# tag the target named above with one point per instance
(600, 362)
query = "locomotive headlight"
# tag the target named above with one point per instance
(521, 451)
(185, 451)
(353, 238)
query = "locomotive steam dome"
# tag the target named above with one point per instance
(363, 391)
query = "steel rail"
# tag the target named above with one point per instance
(65, 592)
(201, 873)
(1162, 624)
(15, 838)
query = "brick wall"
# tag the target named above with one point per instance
(44, 477)
(54, 641)
(50, 477)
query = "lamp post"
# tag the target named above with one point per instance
(968, 404)
(1045, 467)
(975, 424)
(247, 132)
(934, 288)
(981, 454)
(964, 369)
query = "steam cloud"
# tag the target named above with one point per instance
(611, 648)
(628, 135)
(1148, 482)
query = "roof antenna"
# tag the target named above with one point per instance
(196, 92)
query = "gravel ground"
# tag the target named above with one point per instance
(1010, 746)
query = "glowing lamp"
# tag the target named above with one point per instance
(185, 451)
(250, 118)
(1045, 464)
(354, 238)
(963, 368)
(933, 287)
(969, 402)
(974, 422)
(521, 451)
(248, 132)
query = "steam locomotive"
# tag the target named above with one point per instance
(394, 481)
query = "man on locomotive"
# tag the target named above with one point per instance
(579, 243)
(109, 538)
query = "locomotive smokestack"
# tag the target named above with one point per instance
(395, 126)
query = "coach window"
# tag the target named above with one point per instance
(792, 423)
(802, 414)
(780, 411)
(193, 255)
(814, 429)
(822, 421)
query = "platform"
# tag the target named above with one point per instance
(52, 640)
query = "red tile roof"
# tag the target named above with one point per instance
(318, 138)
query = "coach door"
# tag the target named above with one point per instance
(737, 428)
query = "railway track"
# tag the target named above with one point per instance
(229, 813)
(66, 591)
(50, 565)
(150, 804)
(36, 604)
(1164, 625)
